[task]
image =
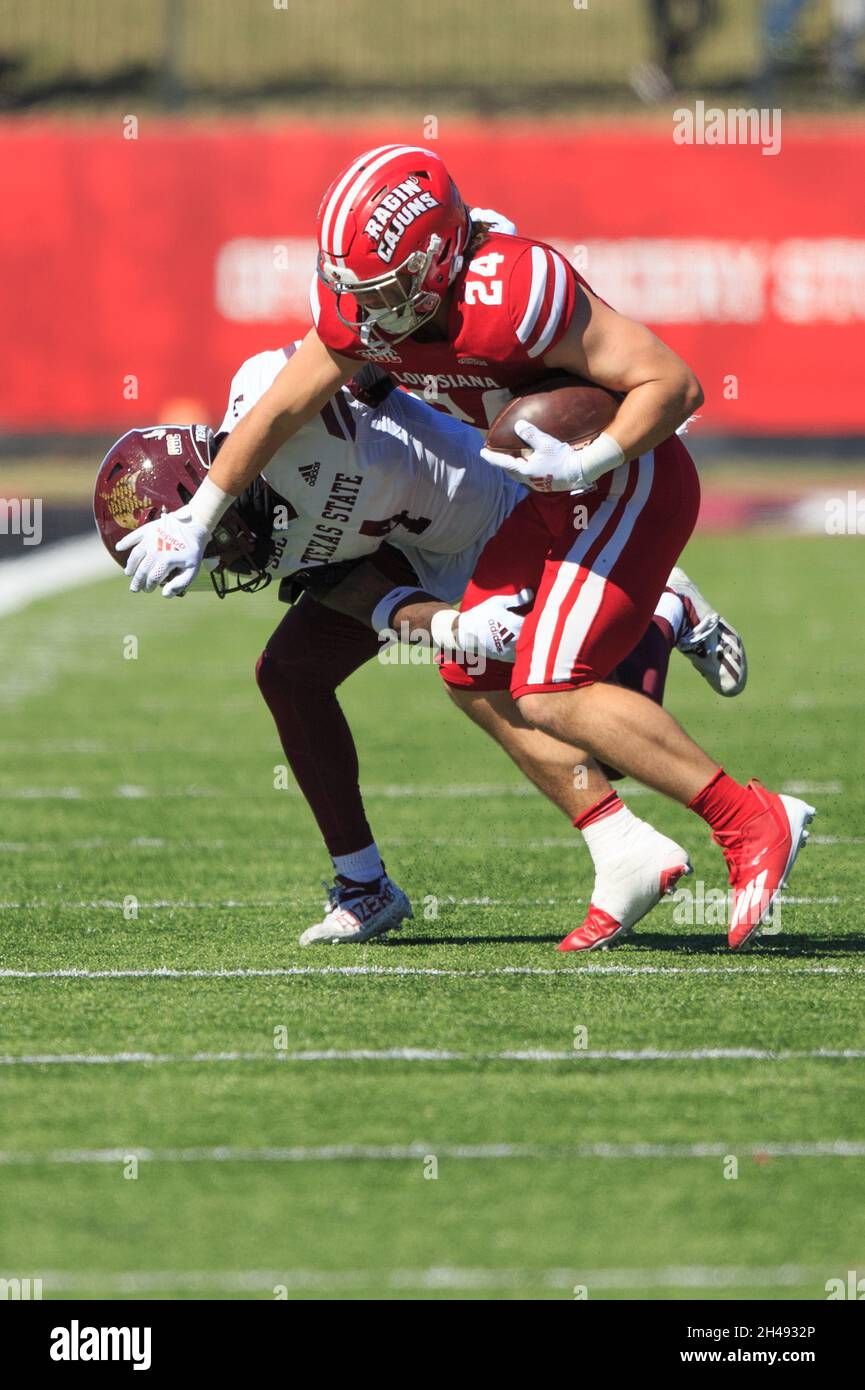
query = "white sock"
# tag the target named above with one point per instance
(606, 838)
(671, 608)
(363, 866)
(630, 857)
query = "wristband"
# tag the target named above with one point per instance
(599, 457)
(387, 606)
(208, 504)
(442, 628)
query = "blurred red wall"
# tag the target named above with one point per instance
(137, 273)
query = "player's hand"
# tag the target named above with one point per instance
(552, 466)
(497, 221)
(167, 551)
(492, 627)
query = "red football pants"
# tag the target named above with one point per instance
(597, 563)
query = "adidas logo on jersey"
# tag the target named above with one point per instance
(309, 473)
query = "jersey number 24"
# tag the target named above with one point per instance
(486, 290)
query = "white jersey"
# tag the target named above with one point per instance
(357, 475)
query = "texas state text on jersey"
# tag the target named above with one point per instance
(356, 475)
(511, 304)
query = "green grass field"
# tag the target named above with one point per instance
(141, 833)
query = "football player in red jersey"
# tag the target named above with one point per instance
(377, 462)
(405, 279)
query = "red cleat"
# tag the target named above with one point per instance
(760, 855)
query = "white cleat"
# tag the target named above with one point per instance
(356, 913)
(711, 645)
(648, 867)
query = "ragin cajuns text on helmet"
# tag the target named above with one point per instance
(153, 470)
(392, 232)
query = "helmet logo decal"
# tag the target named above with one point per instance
(398, 210)
(123, 502)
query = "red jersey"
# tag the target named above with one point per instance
(511, 304)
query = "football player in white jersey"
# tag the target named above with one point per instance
(373, 517)
(363, 471)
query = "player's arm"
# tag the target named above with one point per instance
(659, 393)
(169, 550)
(369, 596)
(306, 383)
(660, 390)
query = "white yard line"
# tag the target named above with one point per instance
(299, 904)
(266, 1281)
(125, 792)
(100, 842)
(292, 904)
(58, 568)
(136, 792)
(421, 1151)
(568, 972)
(393, 842)
(407, 791)
(432, 1054)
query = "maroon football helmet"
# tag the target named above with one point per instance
(158, 469)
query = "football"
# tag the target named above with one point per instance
(572, 410)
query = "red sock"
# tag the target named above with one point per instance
(722, 802)
(607, 806)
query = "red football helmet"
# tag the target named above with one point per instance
(392, 233)
(154, 470)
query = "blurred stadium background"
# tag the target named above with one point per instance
(523, 53)
(162, 165)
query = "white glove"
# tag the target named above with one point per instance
(497, 222)
(552, 465)
(492, 627)
(170, 549)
